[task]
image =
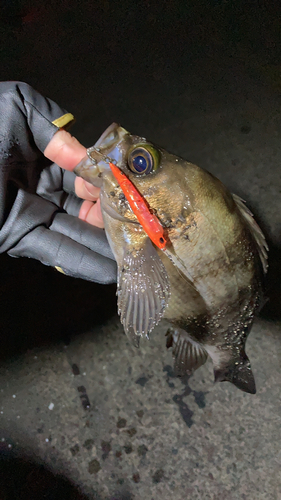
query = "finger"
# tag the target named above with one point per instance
(85, 190)
(91, 212)
(57, 250)
(80, 231)
(65, 150)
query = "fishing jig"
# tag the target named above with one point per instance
(139, 206)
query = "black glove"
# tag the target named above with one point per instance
(38, 206)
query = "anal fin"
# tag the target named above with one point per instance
(188, 354)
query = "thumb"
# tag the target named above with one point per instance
(67, 152)
(64, 150)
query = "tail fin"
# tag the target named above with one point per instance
(237, 371)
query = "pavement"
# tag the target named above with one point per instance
(83, 415)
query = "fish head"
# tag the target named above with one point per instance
(159, 176)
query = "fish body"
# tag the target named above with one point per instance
(207, 280)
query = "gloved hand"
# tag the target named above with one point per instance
(38, 206)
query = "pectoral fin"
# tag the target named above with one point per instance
(189, 355)
(143, 290)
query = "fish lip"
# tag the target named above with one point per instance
(92, 166)
(109, 129)
(109, 210)
(111, 137)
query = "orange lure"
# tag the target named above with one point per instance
(148, 221)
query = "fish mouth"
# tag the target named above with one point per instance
(110, 137)
(95, 163)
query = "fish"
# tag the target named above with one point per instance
(207, 279)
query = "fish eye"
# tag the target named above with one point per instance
(143, 159)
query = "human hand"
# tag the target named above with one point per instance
(66, 151)
(42, 215)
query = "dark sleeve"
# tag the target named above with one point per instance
(25, 113)
(38, 218)
(28, 122)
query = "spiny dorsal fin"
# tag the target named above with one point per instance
(255, 230)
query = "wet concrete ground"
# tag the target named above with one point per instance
(82, 414)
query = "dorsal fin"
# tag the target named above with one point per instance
(255, 230)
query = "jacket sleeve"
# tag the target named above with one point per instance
(38, 208)
(28, 122)
(24, 111)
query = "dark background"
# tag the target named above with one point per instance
(134, 63)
